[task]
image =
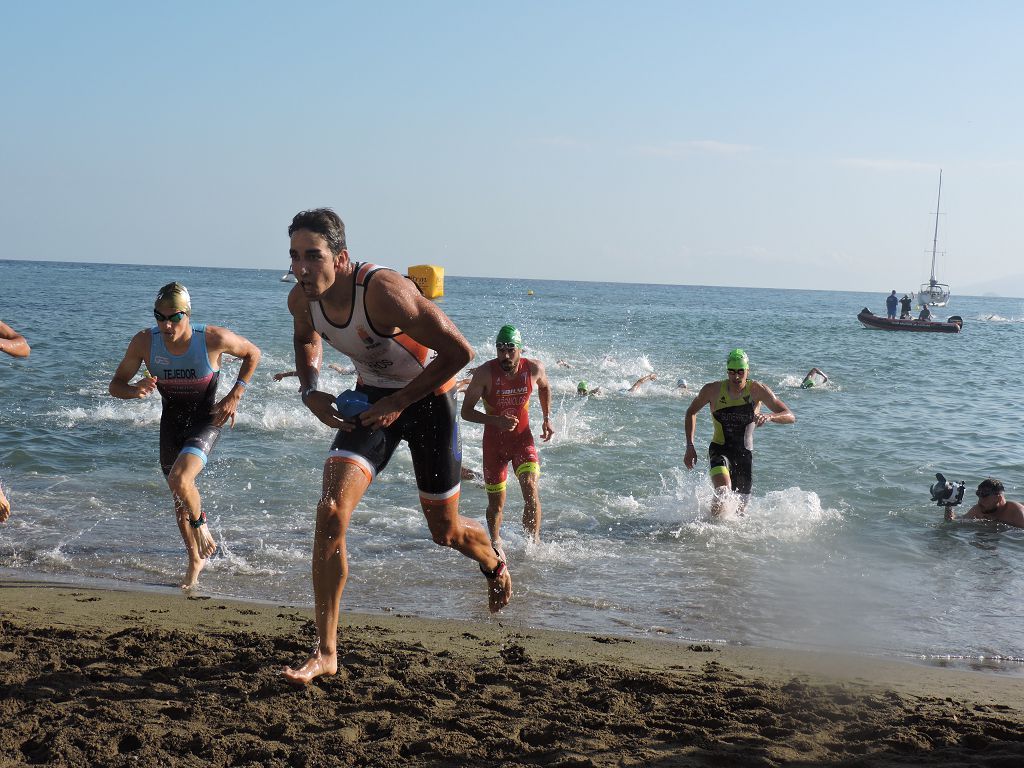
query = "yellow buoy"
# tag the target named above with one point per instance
(429, 278)
(529, 292)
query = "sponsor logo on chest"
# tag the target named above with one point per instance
(364, 336)
(179, 373)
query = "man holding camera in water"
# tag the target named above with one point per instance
(992, 505)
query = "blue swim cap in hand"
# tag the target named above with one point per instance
(351, 403)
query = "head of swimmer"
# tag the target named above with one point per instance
(317, 249)
(172, 309)
(738, 366)
(509, 346)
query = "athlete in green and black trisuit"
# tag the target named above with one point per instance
(735, 405)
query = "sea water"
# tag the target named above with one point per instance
(840, 546)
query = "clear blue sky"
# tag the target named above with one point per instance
(776, 144)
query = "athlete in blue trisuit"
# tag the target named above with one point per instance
(407, 353)
(182, 362)
(735, 405)
(14, 344)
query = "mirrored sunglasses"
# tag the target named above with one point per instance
(173, 318)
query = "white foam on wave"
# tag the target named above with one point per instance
(573, 422)
(790, 514)
(274, 417)
(54, 557)
(998, 319)
(236, 563)
(556, 548)
(793, 382)
(137, 414)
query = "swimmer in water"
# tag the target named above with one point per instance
(642, 380)
(814, 378)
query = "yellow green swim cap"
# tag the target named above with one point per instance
(176, 295)
(738, 360)
(509, 334)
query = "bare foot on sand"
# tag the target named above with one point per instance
(195, 567)
(204, 541)
(316, 665)
(499, 590)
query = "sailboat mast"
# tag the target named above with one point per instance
(935, 238)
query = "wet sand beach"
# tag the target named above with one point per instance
(107, 678)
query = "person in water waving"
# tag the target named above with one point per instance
(735, 412)
(182, 362)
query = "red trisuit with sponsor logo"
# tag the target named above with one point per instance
(509, 395)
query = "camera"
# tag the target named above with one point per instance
(945, 493)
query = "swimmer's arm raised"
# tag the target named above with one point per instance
(12, 342)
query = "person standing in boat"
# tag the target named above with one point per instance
(735, 405)
(905, 304)
(890, 305)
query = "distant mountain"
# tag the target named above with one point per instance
(1011, 286)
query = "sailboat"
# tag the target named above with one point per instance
(288, 277)
(933, 292)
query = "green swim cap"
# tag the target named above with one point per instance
(582, 388)
(738, 360)
(509, 334)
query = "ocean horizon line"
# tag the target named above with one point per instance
(273, 270)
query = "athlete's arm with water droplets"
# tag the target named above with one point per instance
(394, 303)
(134, 358)
(221, 341)
(703, 398)
(780, 413)
(308, 354)
(476, 390)
(544, 395)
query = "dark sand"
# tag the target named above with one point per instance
(102, 678)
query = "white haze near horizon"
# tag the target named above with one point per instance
(741, 144)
